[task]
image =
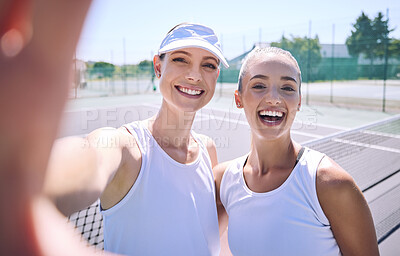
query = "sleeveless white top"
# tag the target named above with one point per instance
(285, 221)
(170, 210)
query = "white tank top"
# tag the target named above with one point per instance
(285, 221)
(170, 210)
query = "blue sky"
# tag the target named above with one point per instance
(141, 25)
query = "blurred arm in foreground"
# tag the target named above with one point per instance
(37, 42)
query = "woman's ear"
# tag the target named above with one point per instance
(299, 105)
(237, 100)
(157, 66)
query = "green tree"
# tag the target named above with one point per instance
(370, 38)
(394, 48)
(131, 70)
(146, 66)
(105, 69)
(361, 40)
(284, 43)
(381, 33)
(306, 51)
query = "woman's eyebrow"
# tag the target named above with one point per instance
(212, 58)
(184, 52)
(260, 76)
(189, 54)
(288, 78)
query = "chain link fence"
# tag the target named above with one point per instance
(335, 67)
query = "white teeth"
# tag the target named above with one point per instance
(271, 113)
(189, 91)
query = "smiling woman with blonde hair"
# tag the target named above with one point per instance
(155, 179)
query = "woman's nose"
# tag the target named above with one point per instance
(273, 97)
(193, 75)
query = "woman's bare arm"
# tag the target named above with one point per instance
(347, 210)
(38, 41)
(219, 171)
(81, 168)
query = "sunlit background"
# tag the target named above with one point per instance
(127, 32)
(333, 41)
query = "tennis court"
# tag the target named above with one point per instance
(365, 143)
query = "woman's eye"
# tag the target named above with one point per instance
(258, 86)
(288, 88)
(179, 60)
(209, 65)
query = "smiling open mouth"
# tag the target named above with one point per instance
(271, 117)
(189, 92)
